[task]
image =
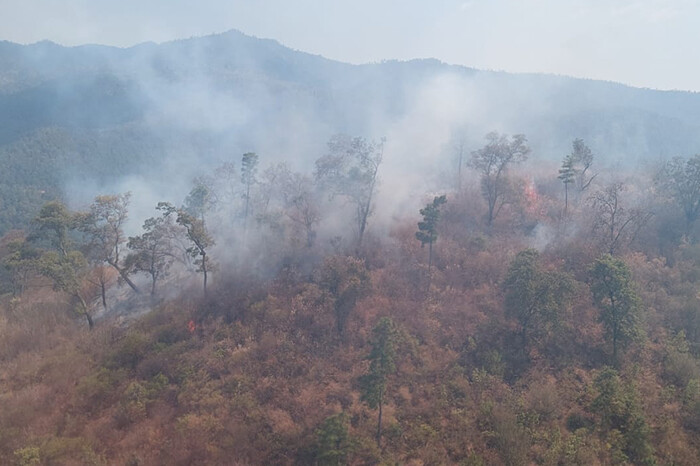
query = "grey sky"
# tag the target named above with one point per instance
(648, 43)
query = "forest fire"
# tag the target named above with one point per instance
(223, 251)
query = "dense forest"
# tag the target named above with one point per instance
(521, 315)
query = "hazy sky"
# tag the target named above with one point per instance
(648, 43)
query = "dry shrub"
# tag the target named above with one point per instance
(543, 398)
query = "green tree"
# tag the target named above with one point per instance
(382, 357)
(582, 158)
(153, 250)
(200, 200)
(427, 229)
(492, 161)
(28, 456)
(615, 295)
(103, 225)
(621, 415)
(197, 235)
(350, 170)
(53, 223)
(567, 174)
(534, 296)
(68, 274)
(21, 263)
(347, 280)
(66, 267)
(333, 441)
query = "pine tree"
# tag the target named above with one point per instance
(333, 441)
(382, 358)
(567, 174)
(427, 229)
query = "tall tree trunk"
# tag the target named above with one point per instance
(86, 311)
(103, 291)
(430, 264)
(430, 257)
(379, 421)
(123, 274)
(688, 227)
(615, 329)
(309, 237)
(365, 209)
(204, 271)
(459, 170)
(154, 275)
(493, 196)
(363, 224)
(245, 215)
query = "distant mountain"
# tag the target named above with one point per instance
(97, 114)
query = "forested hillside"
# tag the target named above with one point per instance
(222, 251)
(76, 118)
(522, 314)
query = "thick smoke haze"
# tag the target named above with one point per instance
(153, 118)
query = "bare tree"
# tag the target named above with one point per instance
(268, 201)
(301, 205)
(249, 170)
(616, 225)
(225, 180)
(350, 170)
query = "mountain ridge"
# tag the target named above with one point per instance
(196, 102)
(276, 43)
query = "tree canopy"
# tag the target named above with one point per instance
(492, 162)
(535, 297)
(350, 169)
(615, 295)
(382, 357)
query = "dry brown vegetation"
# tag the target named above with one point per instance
(261, 372)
